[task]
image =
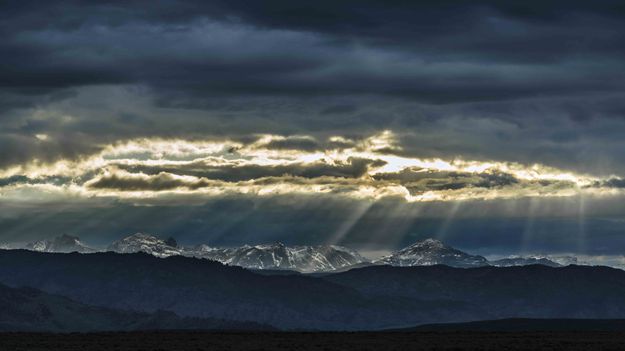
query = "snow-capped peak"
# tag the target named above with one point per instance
(262, 256)
(142, 242)
(62, 243)
(427, 244)
(430, 252)
(280, 256)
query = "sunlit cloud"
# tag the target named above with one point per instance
(370, 168)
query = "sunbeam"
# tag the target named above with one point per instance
(581, 223)
(528, 230)
(349, 222)
(451, 214)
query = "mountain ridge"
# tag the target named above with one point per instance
(432, 252)
(28, 309)
(300, 258)
(202, 288)
(374, 297)
(64, 243)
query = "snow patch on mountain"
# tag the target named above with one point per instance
(141, 242)
(64, 244)
(431, 252)
(304, 259)
(272, 256)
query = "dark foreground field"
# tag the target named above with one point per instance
(461, 340)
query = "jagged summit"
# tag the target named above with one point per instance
(171, 242)
(304, 258)
(430, 252)
(428, 243)
(142, 242)
(263, 256)
(279, 256)
(63, 243)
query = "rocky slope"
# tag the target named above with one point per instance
(304, 259)
(141, 242)
(274, 256)
(64, 243)
(432, 252)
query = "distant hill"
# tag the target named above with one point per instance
(527, 325)
(28, 309)
(375, 297)
(523, 261)
(534, 291)
(202, 288)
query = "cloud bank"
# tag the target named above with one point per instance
(371, 168)
(343, 119)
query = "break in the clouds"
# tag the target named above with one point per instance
(371, 168)
(131, 103)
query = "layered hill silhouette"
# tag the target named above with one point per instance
(32, 310)
(534, 291)
(376, 297)
(208, 289)
(527, 325)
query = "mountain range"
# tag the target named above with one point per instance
(304, 259)
(524, 261)
(374, 297)
(64, 243)
(275, 256)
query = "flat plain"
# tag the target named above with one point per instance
(196, 341)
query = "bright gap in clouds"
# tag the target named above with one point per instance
(371, 168)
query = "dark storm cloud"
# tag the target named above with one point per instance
(165, 182)
(418, 180)
(352, 168)
(429, 51)
(13, 180)
(294, 143)
(611, 183)
(19, 147)
(343, 177)
(159, 182)
(530, 82)
(538, 81)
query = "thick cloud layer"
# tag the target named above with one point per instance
(532, 82)
(189, 101)
(373, 168)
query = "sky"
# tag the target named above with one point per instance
(495, 126)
